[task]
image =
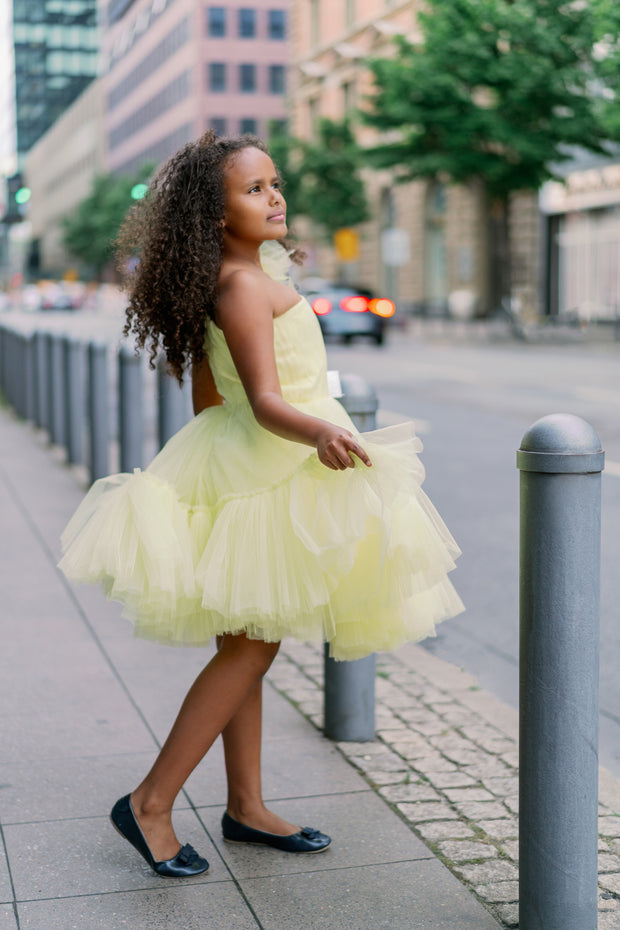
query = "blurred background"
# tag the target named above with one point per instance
(462, 162)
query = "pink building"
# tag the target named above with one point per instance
(173, 68)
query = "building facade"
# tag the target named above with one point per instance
(56, 53)
(174, 68)
(442, 229)
(59, 170)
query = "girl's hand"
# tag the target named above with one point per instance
(334, 446)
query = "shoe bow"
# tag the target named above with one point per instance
(186, 854)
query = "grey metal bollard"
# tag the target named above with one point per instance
(74, 399)
(41, 381)
(349, 691)
(560, 461)
(172, 404)
(58, 424)
(130, 413)
(98, 410)
(29, 377)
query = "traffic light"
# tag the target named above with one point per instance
(17, 196)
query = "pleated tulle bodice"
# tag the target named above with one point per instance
(300, 357)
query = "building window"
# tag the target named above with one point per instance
(350, 13)
(349, 96)
(247, 125)
(247, 79)
(217, 22)
(217, 77)
(276, 79)
(247, 23)
(276, 22)
(219, 124)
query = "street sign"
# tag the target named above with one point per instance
(395, 247)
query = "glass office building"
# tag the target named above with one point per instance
(56, 51)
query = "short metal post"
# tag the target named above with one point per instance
(560, 460)
(29, 377)
(130, 414)
(172, 404)
(58, 426)
(40, 372)
(98, 410)
(75, 406)
(349, 691)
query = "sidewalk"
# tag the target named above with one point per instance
(423, 820)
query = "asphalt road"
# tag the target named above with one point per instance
(472, 403)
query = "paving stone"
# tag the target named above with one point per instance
(463, 851)
(387, 762)
(614, 845)
(433, 763)
(610, 882)
(459, 717)
(444, 829)
(467, 757)
(511, 849)
(455, 779)
(412, 749)
(482, 810)
(377, 777)
(486, 766)
(458, 795)
(410, 792)
(511, 758)
(499, 892)
(501, 787)
(500, 829)
(512, 803)
(419, 811)
(608, 902)
(433, 696)
(509, 914)
(608, 863)
(489, 872)
(608, 921)
(609, 826)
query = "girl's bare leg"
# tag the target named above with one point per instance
(214, 698)
(242, 751)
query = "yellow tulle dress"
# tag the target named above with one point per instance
(232, 529)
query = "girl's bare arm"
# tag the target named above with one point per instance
(245, 316)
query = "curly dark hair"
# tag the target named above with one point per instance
(176, 232)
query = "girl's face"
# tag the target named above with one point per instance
(255, 208)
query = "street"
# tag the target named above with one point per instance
(473, 403)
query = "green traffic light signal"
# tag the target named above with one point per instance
(138, 191)
(23, 195)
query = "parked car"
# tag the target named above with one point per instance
(348, 312)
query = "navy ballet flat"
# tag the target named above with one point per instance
(307, 840)
(187, 862)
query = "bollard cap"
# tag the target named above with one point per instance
(561, 443)
(358, 396)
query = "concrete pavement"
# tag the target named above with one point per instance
(424, 819)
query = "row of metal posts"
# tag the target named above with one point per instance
(62, 385)
(561, 461)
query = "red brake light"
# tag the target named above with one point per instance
(354, 304)
(382, 307)
(321, 306)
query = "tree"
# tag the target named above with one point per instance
(90, 231)
(498, 92)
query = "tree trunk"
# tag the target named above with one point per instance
(500, 279)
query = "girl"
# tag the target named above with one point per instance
(266, 515)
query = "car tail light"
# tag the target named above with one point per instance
(354, 304)
(381, 306)
(321, 306)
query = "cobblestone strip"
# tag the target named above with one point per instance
(451, 775)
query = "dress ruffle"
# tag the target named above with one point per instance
(356, 558)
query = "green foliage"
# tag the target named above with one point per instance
(333, 193)
(90, 231)
(322, 179)
(499, 90)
